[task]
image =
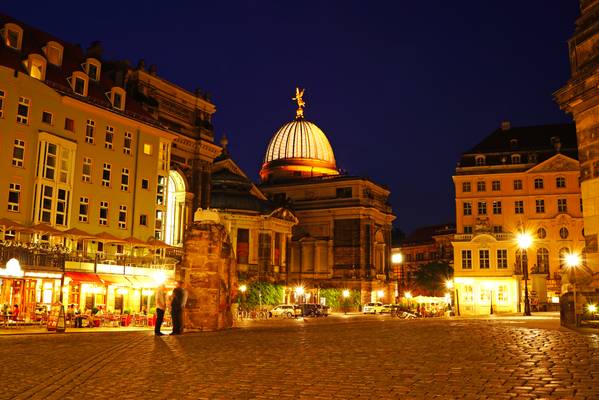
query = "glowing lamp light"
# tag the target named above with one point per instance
(592, 308)
(381, 294)
(397, 258)
(13, 268)
(243, 288)
(159, 277)
(346, 293)
(122, 291)
(407, 295)
(299, 290)
(524, 240)
(449, 284)
(147, 292)
(572, 260)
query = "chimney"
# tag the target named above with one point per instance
(506, 125)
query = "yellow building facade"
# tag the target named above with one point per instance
(90, 192)
(516, 180)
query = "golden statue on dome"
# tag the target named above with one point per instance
(299, 94)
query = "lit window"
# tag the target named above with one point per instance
(160, 190)
(127, 143)
(482, 208)
(47, 117)
(538, 183)
(87, 170)
(519, 207)
(147, 149)
(83, 209)
(466, 259)
(109, 137)
(163, 156)
(563, 233)
(467, 294)
(497, 207)
(125, 179)
(103, 213)
(496, 186)
(158, 225)
(18, 153)
(14, 197)
(560, 182)
(540, 206)
(467, 208)
(502, 258)
(466, 187)
(123, 217)
(480, 186)
(36, 65)
(517, 184)
(502, 294)
(562, 205)
(53, 52)
(106, 175)
(13, 36)
(69, 125)
(483, 256)
(23, 110)
(2, 97)
(89, 131)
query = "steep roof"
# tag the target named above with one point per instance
(425, 234)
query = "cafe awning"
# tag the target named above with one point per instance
(115, 280)
(84, 277)
(141, 281)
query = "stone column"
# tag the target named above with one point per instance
(209, 272)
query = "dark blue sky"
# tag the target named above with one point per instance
(401, 88)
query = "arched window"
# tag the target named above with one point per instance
(521, 263)
(541, 233)
(563, 232)
(543, 260)
(36, 65)
(480, 160)
(177, 213)
(516, 158)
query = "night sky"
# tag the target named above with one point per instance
(401, 88)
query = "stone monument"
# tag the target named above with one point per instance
(209, 272)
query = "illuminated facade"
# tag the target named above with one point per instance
(102, 164)
(580, 98)
(516, 179)
(343, 238)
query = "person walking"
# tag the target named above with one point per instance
(177, 304)
(160, 309)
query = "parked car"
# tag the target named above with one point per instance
(283, 310)
(389, 308)
(373, 308)
(314, 310)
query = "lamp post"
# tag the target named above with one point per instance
(573, 262)
(396, 260)
(345, 297)
(524, 241)
(449, 284)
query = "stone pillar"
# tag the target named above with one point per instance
(209, 271)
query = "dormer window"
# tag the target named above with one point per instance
(117, 98)
(13, 36)
(479, 160)
(36, 65)
(53, 52)
(79, 83)
(516, 159)
(92, 68)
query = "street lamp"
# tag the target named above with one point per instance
(396, 260)
(345, 297)
(573, 262)
(454, 290)
(524, 241)
(299, 291)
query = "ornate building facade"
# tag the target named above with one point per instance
(102, 164)
(343, 237)
(516, 180)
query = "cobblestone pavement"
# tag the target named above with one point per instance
(337, 357)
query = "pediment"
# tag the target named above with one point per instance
(231, 166)
(284, 214)
(557, 163)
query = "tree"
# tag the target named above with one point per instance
(432, 277)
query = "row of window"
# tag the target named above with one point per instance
(501, 294)
(539, 183)
(514, 158)
(564, 233)
(562, 207)
(501, 259)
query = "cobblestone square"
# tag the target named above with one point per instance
(338, 357)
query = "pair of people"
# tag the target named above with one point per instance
(178, 301)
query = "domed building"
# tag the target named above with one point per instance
(343, 238)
